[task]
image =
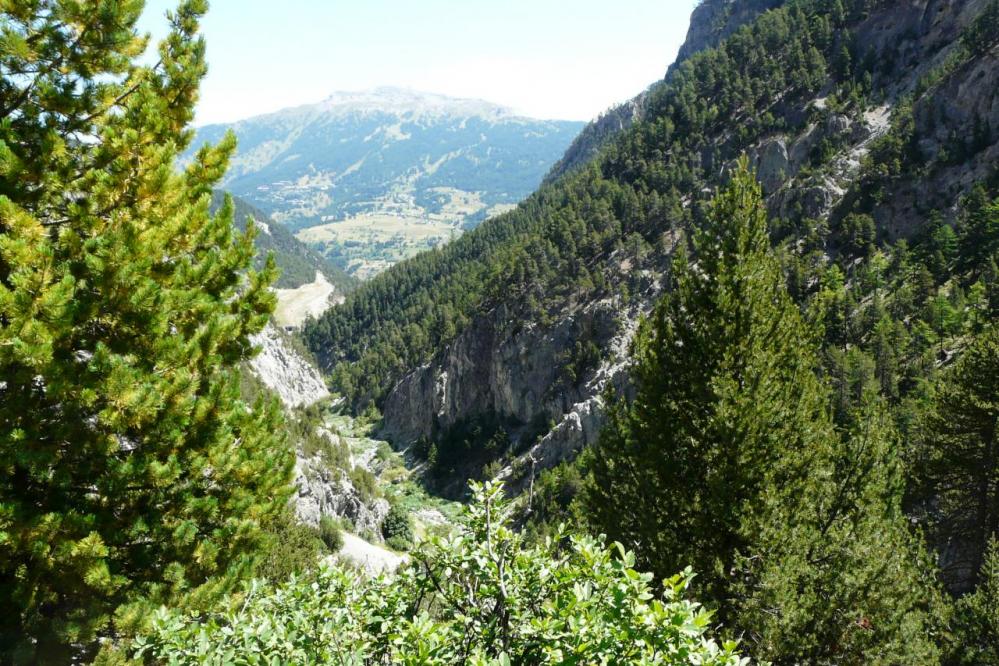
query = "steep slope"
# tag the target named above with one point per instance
(325, 468)
(714, 20)
(385, 163)
(711, 22)
(286, 372)
(865, 120)
(298, 263)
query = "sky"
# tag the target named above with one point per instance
(553, 59)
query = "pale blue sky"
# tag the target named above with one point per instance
(545, 58)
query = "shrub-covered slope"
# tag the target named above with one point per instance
(710, 23)
(297, 262)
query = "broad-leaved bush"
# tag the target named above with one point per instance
(479, 596)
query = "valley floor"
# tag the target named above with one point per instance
(397, 482)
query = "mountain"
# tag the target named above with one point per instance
(374, 177)
(748, 331)
(868, 124)
(298, 263)
(709, 24)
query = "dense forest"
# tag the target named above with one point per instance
(806, 443)
(897, 306)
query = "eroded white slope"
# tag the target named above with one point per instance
(283, 370)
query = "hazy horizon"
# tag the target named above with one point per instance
(534, 57)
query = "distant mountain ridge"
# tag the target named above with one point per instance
(417, 168)
(409, 104)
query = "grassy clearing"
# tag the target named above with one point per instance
(378, 228)
(368, 244)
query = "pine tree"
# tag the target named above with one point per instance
(727, 327)
(940, 247)
(978, 232)
(990, 278)
(959, 469)
(978, 616)
(131, 473)
(839, 578)
(726, 460)
(983, 33)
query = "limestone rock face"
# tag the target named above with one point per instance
(773, 164)
(714, 20)
(283, 370)
(322, 491)
(497, 367)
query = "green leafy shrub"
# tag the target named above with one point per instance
(479, 597)
(384, 452)
(331, 534)
(397, 528)
(291, 548)
(365, 483)
(398, 543)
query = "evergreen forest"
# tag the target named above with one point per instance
(725, 393)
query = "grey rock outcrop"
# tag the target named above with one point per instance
(322, 492)
(497, 367)
(714, 20)
(283, 370)
(319, 490)
(772, 164)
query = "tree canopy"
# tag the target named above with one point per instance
(131, 472)
(727, 460)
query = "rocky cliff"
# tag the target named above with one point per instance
(322, 489)
(285, 371)
(548, 395)
(499, 367)
(514, 365)
(714, 20)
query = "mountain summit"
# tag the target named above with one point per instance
(410, 104)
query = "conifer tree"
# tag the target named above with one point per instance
(131, 473)
(978, 616)
(960, 463)
(978, 232)
(726, 460)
